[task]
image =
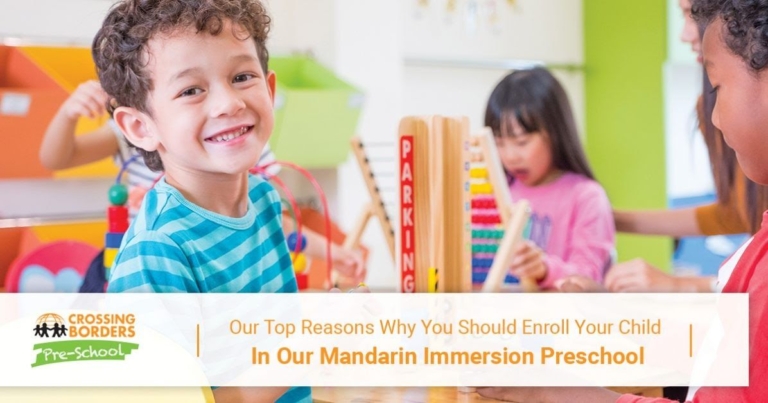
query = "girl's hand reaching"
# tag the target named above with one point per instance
(89, 100)
(639, 276)
(528, 261)
(349, 264)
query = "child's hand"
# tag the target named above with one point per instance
(362, 288)
(528, 261)
(579, 283)
(638, 276)
(88, 100)
(350, 264)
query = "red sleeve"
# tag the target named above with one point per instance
(749, 276)
(640, 399)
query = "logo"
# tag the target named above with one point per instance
(82, 337)
(52, 322)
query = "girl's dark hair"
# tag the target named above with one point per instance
(536, 102)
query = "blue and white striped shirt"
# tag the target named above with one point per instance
(174, 245)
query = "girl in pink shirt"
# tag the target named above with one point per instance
(572, 229)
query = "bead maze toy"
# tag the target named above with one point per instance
(117, 223)
(117, 218)
(297, 242)
(118, 214)
(455, 209)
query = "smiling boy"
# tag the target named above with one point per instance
(190, 88)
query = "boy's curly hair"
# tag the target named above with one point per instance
(120, 46)
(746, 26)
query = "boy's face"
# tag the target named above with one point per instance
(741, 110)
(211, 103)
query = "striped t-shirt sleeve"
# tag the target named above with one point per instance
(151, 262)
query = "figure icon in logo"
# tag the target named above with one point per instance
(59, 330)
(50, 321)
(41, 331)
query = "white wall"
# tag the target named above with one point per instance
(454, 59)
(548, 30)
(688, 171)
(52, 21)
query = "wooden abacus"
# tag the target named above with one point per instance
(435, 207)
(498, 223)
(375, 208)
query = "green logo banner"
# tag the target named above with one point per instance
(81, 350)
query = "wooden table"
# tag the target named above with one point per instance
(425, 395)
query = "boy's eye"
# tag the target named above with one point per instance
(190, 92)
(243, 77)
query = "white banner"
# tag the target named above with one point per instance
(374, 339)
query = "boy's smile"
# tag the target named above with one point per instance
(228, 136)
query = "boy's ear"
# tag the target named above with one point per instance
(271, 79)
(135, 125)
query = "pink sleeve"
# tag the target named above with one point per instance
(592, 240)
(640, 399)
